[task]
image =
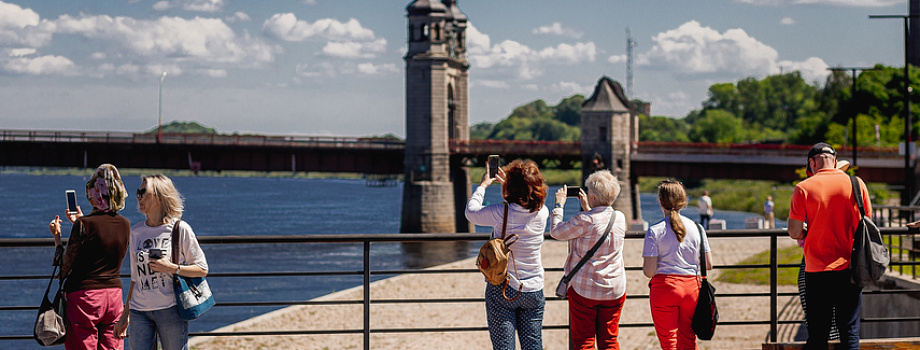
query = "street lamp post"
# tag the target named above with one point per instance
(852, 97)
(908, 172)
(160, 109)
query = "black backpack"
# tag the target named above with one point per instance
(869, 258)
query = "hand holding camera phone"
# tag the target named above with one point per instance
(572, 191)
(493, 166)
(71, 201)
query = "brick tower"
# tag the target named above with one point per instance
(437, 92)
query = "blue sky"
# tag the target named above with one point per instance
(335, 67)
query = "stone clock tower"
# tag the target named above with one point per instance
(437, 95)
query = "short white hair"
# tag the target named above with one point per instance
(604, 186)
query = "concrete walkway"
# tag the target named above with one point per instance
(725, 251)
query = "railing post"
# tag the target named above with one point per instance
(367, 294)
(773, 290)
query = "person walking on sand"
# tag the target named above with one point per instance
(671, 258)
(524, 191)
(598, 290)
(704, 203)
(825, 201)
(768, 216)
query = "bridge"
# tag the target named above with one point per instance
(211, 152)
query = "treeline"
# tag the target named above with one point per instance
(781, 108)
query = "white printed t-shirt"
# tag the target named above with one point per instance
(154, 290)
(675, 258)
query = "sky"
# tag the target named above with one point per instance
(336, 67)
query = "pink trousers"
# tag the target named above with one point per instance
(91, 317)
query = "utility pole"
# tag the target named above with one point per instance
(852, 99)
(908, 171)
(630, 43)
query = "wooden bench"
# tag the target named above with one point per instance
(874, 344)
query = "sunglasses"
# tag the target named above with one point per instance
(671, 182)
(141, 192)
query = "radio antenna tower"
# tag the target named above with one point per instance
(630, 43)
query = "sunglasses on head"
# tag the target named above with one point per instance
(671, 182)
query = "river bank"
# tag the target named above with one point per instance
(429, 286)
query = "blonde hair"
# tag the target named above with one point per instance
(604, 186)
(171, 202)
(673, 198)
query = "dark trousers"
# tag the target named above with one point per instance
(704, 221)
(827, 292)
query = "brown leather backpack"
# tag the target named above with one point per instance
(494, 255)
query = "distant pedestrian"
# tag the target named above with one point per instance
(525, 192)
(671, 258)
(704, 203)
(598, 290)
(768, 216)
(825, 202)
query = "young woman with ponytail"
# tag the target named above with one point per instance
(671, 259)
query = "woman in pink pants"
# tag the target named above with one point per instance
(671, 259)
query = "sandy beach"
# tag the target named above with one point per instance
(725, 251)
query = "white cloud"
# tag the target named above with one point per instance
(214, 73)
(191, 5)
(310, 2)
(40, 65)
(287, 27)
(98, 55)
(238, 17)
(22, 52)
(557, 29)
(526, 62)
(492, 84)
(693, 51)
(617, 59)
(787, 21)
(197, 40)
(370, 68)
(812, 69)
(158, 69)
(19, 26)
(127, 69)
(569, 88)
(851, 3)
(351, 49)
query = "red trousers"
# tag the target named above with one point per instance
(673, 299)
(594, 321)
(91, 314)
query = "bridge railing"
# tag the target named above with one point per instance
(366, 240)
(755, 149)
(202, 139)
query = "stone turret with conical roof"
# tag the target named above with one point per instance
(608, 133)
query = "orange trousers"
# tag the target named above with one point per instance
(673, 299)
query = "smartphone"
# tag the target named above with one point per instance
(71, 201)
(155, 253)
(493, 165)
(572, 191)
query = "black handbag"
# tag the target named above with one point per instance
(562, 289)
(51, 324)
(706, 315)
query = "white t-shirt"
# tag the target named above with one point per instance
(675, 258)
(705, 205)
(525, 269)
(154, 290)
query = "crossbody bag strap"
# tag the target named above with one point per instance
(857, 195)
(175, 242)
(509, 240)
(593, 250)
(702, 252)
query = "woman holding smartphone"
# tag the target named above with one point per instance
(597, 291)
(671, 258)
(151, 299)
(525, 192)
(92, 262)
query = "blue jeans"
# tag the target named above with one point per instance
(524, 315)
(826, 293)
(146, 325)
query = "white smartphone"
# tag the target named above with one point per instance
(71, 201)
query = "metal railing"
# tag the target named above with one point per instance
(366, 272)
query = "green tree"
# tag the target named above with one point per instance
(179, 127)
(716, 125)
(481, 131)
(664, 129)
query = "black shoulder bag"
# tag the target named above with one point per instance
(706, 315)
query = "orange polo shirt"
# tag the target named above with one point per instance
(826, 203)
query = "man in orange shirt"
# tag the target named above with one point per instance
(826, 201)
